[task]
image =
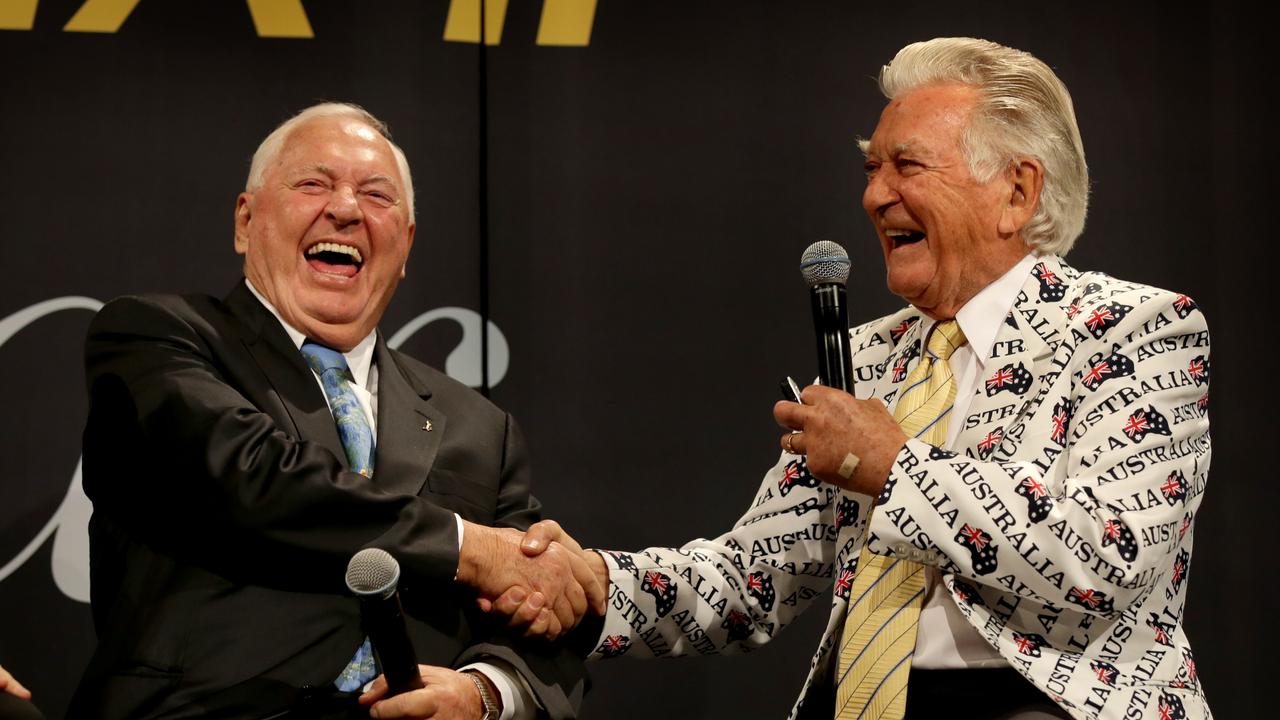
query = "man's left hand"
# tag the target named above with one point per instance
(445, 695)
(833, 425)
(10, 684)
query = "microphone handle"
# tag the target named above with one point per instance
(384, 623)
(831, 325)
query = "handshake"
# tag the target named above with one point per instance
(541, 579)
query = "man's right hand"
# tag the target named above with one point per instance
(541, 538)
(548, 591)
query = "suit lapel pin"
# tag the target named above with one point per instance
(428, 427)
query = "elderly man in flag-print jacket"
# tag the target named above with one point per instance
(1054, 516)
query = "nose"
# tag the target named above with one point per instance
(343, 208)
(880, 193)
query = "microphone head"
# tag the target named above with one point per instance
(824, 263)
(373, 571)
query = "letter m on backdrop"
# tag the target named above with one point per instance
(565, 23)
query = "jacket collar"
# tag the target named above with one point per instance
(405, 449)
(1018, 361)
(1024, 343)
(286, 370)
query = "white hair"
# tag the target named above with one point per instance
(271, 146)
(1023, 110)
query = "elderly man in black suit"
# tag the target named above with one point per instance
(238, 453)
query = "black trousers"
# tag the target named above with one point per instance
(265, 699)
(13, 707)
(977, 694)
(986, 694)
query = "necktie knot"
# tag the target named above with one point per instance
(946, 338)
(354, 429)
(322, 359)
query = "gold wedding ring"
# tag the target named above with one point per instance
(787, 443)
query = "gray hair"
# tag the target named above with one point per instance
(273, 143)
(1023, 109)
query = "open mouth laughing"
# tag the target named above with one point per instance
(899, 237)
(333, 258)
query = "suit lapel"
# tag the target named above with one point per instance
(1019, 358)
(410, 429)
(906, 341)
(295, 385)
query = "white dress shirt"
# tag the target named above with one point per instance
(517, 700)
(945, 640)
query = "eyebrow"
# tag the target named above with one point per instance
(911, 147)
(908, 147)
(317, 168)
(326, 170)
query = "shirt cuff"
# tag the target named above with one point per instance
(518, 702)
(458, 520)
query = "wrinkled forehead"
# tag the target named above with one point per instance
(924, 120)
(329, 140)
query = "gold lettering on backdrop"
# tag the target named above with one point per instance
(17, 14)
(100, 16)
(280, 18)
(564, 23)
(463, 22)
(271, 18)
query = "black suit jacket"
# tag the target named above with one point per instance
(225, 514)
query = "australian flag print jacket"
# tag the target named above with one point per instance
(1061, 520)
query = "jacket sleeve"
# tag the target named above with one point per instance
(1121, 443)
(552, 673)
(178, 457)
(737, 591)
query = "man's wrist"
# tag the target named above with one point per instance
(595, 560)
(490, 699)
(476, 541)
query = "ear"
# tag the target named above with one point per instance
(1026, 178)
(413, 226)
(244, 213)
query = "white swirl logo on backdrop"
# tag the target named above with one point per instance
(463, 364)
(69, 525)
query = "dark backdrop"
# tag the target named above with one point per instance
(629, 215)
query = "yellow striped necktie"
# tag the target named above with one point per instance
(879, 635)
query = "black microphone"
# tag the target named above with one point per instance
(825, 267)
(372, 575)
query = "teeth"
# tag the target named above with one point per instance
(895, 232)
(335, 247)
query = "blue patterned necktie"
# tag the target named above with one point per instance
(357, 440)
(353, 424)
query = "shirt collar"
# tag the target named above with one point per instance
(359, 358)
(980, 318)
